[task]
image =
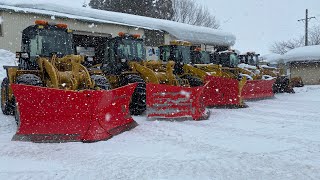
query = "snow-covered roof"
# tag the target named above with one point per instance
(272, 58)
(306, 53)
(194, 34)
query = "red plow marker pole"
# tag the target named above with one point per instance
(221, 92)
(258, 89)
(166, 101)
(54, 115)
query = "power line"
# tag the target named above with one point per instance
(307, 19)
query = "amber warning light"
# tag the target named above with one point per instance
(41, 22)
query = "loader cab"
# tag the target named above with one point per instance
(200, 57)
(226, 59)
(250, 59)
(177, 51)
(120, 51)
(43, 40)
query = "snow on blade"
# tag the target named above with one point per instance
(108, 117)
(185, 93)
(246, 66)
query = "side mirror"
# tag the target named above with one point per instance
(23, 55)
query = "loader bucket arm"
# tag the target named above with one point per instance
(258, 89)
(54, 115)
(194, 71)
(147, 74)
(166, 101)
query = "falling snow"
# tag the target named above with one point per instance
(108, 117)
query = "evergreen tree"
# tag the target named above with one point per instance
(151, 8)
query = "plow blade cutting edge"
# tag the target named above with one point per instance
(258, 89)
(221, 92)
(166, 101)
(53, 115)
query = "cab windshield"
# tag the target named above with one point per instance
(202, 57)
(234, 60)
(175, 53)
(181, 54)
(130, 49)
(51, 41)
(253, 60)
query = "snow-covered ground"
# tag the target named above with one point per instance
(7, 58)
(277, 138)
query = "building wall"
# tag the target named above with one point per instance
(309, 72)
(14, 22)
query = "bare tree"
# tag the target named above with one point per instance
(190, 12)
(314, 36)
(281, 47)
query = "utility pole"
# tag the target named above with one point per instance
(307, 19)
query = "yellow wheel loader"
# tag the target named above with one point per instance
(54, 97)
(255, 87)
(224, 89)
(250, 62)
(125, 63)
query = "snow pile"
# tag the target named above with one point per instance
(306, 53)
(247, 76)
(181, 31)
(7, 58)
(271, 58)
(246, 66)
(266, 77)
(267, 67)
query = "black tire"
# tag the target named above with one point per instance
(101, 82)
(180, 81)
(138, 101)
(6, 106)
(282, 85)
(193, 81)
(27, 79)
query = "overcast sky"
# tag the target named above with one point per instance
(258, 23)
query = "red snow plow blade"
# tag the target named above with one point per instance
(165, 101)
(54, 115)
(221, 92)
(257, 89)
